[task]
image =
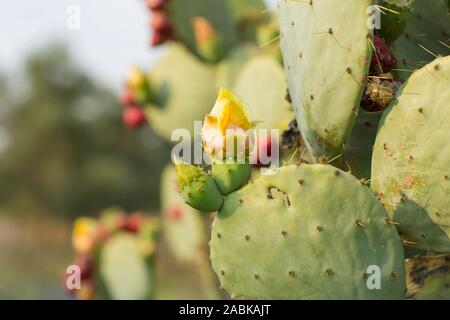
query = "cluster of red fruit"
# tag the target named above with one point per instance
(88, 236)
(382, 85)
(160, 23)
(383, 61)
(134, 96)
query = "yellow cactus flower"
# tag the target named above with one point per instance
(136, 79)
(227, 121)
(84, 235)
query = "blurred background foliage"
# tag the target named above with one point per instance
(64, 152)
(68, 152)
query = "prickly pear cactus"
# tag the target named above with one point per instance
(307, 232)
(124, 270)
(260, 83)
(229, 68)
(326, 52)
(427, 34)
(411, 160)
(359, 147)
(115, 255)
(184, 92)
(183, 226)
(225, 17)
(428, 278)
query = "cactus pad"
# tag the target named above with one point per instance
(427, 34)
(411, 160)
(326, 53)
(124, 270)
(307, 232)
(359, 147)
(184, 92)
(184, 229)
(262, 86)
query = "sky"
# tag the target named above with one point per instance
(113, 34)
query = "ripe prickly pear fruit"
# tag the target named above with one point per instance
(160, 22)
(134, 117)
(159, 38)
(198, 189)
(383, 60)
(127, 98)
(209, 42)
(262, 153)
(154, 5)
(86, 265)
(134, 222)
(230, 177)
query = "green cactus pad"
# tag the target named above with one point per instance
(184, 92)
(228, 69)
(224, 15)
(359, 147)
(428, 278)
(262, 86)
(124, 270)
(427, 34)
(183, 226)
(230, 177)
(307, 232)
(326, 52)
(411, 159)
(393, 22)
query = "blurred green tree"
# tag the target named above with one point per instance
(68, 151)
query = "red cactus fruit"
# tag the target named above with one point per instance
(263, 149)
(121, 222)
(156, 4)
(160, 37)
(383, 60)
(127, 98)
(160, 22)
(135, 222)
(175, 213)
(134, 117)
(86, 265)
